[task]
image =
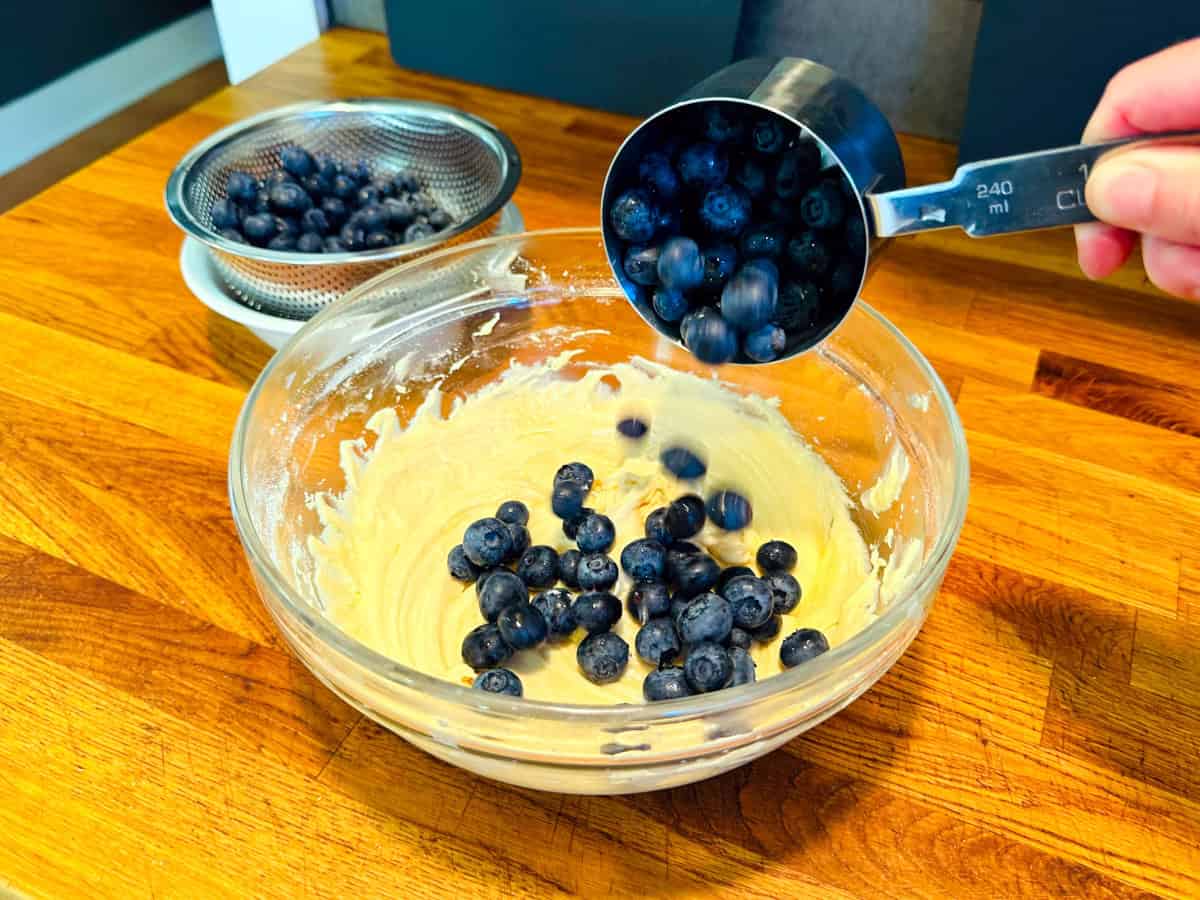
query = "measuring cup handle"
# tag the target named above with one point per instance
(1013, 193)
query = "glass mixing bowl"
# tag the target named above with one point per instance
(865, 399)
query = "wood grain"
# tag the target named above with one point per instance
(1039, 738)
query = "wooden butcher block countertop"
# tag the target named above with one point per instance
(1040, 737)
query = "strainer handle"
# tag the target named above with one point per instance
(1000, 196)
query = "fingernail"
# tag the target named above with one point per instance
(1121, 192)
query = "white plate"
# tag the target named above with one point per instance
(201, 277)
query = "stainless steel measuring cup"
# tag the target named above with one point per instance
(1044, 189)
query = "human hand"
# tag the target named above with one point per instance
(1151, 192)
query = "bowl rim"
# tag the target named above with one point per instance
(497, 141)
(623, 714)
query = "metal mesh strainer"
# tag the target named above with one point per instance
(469, 167)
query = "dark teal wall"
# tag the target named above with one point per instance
(41, 40)
(620, 55)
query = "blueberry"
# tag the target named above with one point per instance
(261, 202)
(739, 638)
(399, 212)
(685, 516)
(576, 473)
(566, 500)
(666, 684)
(750, 298)
(667, 222)
(844, 279)
(360, 172)
(801, 646)
(484, 575)
(232, 234)
(641, 264)
(776, 556)
(809, 254)
(335, 211)
(538, 567)
(632, 216)
(671, 306)
(315, 221)
(678, 552)
(313, 186)
(751, 177)
(570, 526)
(602, 657)
(680, 265)
(656, 527)
(731, 573)
(823, 206)
(708, 617)
(405, 183)
(785, 590)
(225, 214)
(297, 161)
(259, 228)
(377, 240)
(678, 604)
(373, 217)
(720, 260)
(765, 240)
(855, 235)
(722, 124)
(278, 176)
(422, 203)
(522, 626)
(241, 187)
(703, 165)
(648, 600)
(384, 185)
(596, 572)
(797, 169)
(368, 196)
(768, 630)
(520, 541)
(487, 542)
(767, 136)
(327, 166)
(353, 236)
(500, 590)
(461, 568)
(595, 534)
(439, 219)
(334, 244)
(725, 210)
(343, 187)
(633, 428)
(596, 611)
(729, 510)
(484, 648)
(797, 305)
(657, 642)
(289, 199)
(707, 668)
(644, 560)
(656, 173)
(710, 338)
(499, 681)
(513, 512)
(762, 266)
(696, 574)
(751, 600)
(784, 212)
(555, 607)
(765, 344)
(288, 225)
(310, 243)
(418, 231)
(743, 667)
(568, 568)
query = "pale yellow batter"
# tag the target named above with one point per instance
(381, 557)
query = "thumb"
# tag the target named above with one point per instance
(1154, 190)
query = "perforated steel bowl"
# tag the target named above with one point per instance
(469, 167)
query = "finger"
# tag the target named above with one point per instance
(1102, 249)
(1173, 267)
(1157, 93)
(1155, 190)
